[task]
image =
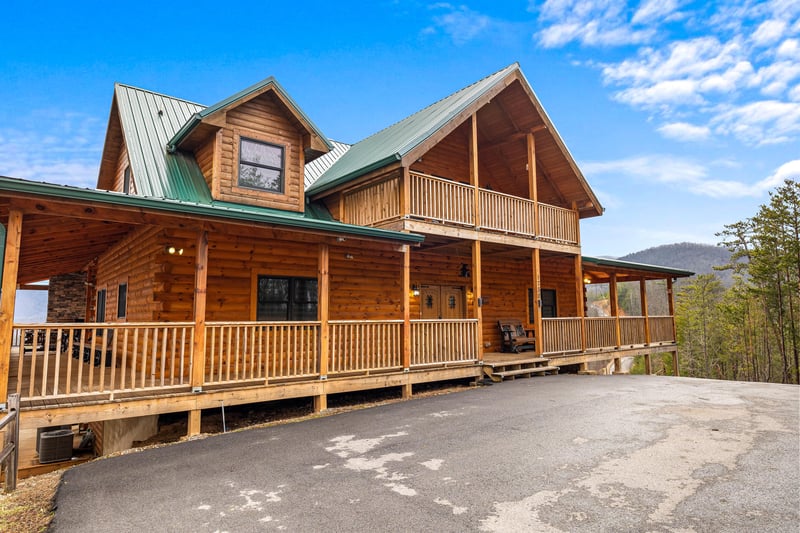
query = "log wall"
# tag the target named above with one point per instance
(264, 119)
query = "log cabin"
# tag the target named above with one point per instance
(234, 254)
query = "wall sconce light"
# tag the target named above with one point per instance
(348, 256)
(171, 250)
(415, 290)
(587, 280)
(341, 239)
(463, 271)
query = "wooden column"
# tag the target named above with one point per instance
(406, 317)
(473, 168)
(199, 340)
(8, 297)
(405, 194)
(648, 368)
(323, 285)
(536, 275)
(477, 298)
(580, 298)
(532, 189)
(671, 302)
(612, 296)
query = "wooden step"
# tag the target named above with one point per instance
(522, 372)
(532, 360)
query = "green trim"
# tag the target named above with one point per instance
(616, 263)
(198, 117)
(222, 210)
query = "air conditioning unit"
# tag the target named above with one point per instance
(55, 446)
(45, 430)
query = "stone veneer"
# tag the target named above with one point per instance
(66, 299)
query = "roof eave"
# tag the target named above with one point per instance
(616, 263)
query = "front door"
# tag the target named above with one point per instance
(442, 302)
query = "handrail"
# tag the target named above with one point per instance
(9, 455)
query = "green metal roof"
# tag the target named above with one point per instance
(616, 263)
(149, 120)
(392, 143)
(270, 82)
(314, 218)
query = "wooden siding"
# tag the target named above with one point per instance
(119, 172)
(264, 119)
(130, 261)
(204, 155)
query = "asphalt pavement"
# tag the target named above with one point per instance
(554, 453)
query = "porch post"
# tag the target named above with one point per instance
(473, 168)
(323, 282)
(671, 302)
(8, 296)
(612, 295)
(580, 299)
(643, 301)
(537, 300)
(532, 189)
(477, 298)
(407, 317)
(199, 340)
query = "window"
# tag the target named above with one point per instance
(260, 165)
(101, 306)
(126, 180)
(548, 304)
(122, 300)
(286, 298)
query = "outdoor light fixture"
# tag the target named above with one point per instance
(587, 280)
(463, 272)
(348, 256)
(171, 250)
(415, 290)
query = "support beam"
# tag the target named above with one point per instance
(645, 314)
(671, 302)
(194, 423)
(580, 298)
(323, 285)
(200, 290)
(407, 308)
(474, 179)
(8, 296)
(477, 295)
(612, 295)
(533, 191)
(537, 299)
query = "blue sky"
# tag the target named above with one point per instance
(681, 114)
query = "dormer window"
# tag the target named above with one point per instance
(260, 165)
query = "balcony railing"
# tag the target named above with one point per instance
(562, 335)
(363, 346)
(442, 200)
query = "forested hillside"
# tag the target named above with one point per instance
(699, 258)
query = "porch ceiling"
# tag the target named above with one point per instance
(59, 245)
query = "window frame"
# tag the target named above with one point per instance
(126, 180)
(101, 299)
(281, 170)
(290, 301)
(531, 303)
(122, 300)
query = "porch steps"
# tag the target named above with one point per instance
(499, 371)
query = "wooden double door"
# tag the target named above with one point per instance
(442, 302)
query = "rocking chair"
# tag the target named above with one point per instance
(516, 338)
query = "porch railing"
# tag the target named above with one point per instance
(68, 359)
(443, 341)
(359, 346)
(442, 200)
(507, 213)
(661, 329)
(560, 335)
(632, 330)
(601, 332)
(558, 224)
(238, 351)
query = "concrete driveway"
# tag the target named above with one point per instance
(555, 453)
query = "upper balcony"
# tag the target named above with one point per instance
(442, 206)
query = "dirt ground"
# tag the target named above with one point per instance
(30, 508)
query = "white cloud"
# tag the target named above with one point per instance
(760, 123)
(54, 148)
(769, 32)
(685, 132)
(461, 23)
(689, 175)
(654, 10)
(592, 23)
